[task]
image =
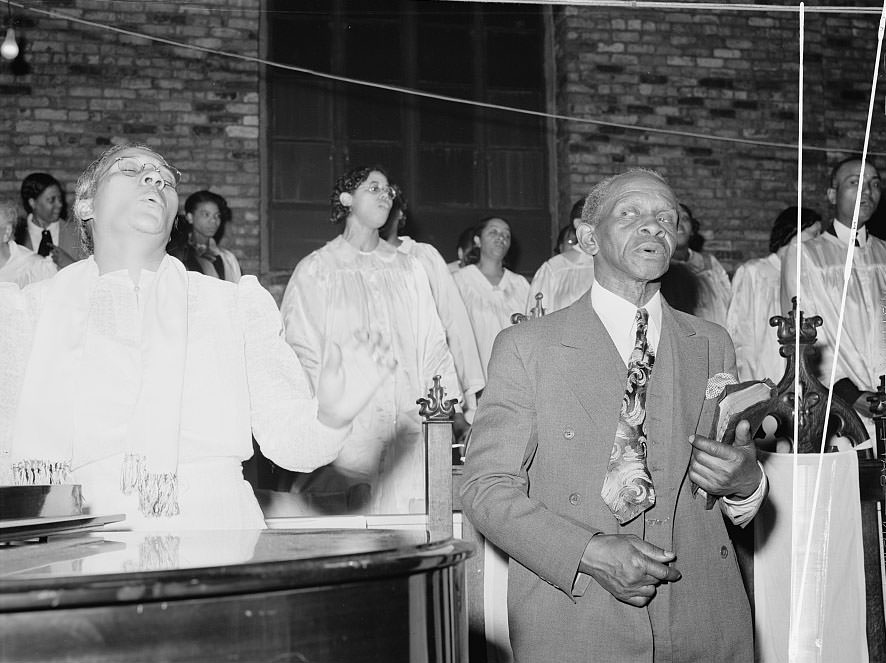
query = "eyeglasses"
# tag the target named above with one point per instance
(376, 189)
(134, 167)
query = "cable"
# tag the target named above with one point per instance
(438, 97)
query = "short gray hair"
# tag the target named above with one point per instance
(590, 213)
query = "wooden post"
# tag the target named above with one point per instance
(438, 416)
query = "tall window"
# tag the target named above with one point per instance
(456, 163)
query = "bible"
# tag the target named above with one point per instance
(751, 400)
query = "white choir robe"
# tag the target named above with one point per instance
(333, 293)
(490, 307)
(755, 299)
(561, 280)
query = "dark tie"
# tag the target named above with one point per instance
(46, 245)
(627, 488)
(219, 265)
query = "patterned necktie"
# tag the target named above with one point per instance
(627, 488)
(46, 245)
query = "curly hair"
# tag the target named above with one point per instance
(348, 183)
(784, 228)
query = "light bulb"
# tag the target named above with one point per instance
(9, 49)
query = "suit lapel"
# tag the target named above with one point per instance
(590, 364)
(674, 400)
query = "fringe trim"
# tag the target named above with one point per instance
(34, 472)
(157, 492)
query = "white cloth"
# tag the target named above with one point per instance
(619, 316)
(25, 266)
(714, 289)
(756, 298)
(35, 232)
(453, 315)
(336, 291)
(809, 564)
(490, 307)
(239, 375)
(863, 342)
(561, 280)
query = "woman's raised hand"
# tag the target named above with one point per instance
(350, 375)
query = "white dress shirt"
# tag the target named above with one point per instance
(618, 315)
(35, 232)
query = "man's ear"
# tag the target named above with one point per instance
(587, 238)
(832, 195)
(83, 209)
(346, 199)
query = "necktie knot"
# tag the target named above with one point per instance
(46, 244)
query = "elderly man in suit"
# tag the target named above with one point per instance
(586, 443)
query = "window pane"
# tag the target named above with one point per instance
(301, 108)
(304, 40)
(514, 60)
(510, 128)
(296, 231)
(372, 51)
(517, 179)
(446, 176)
(446, 121)
(301, 171)
(387, 155)
(457, 65)
(373, 114)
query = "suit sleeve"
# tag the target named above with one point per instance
(504, 441)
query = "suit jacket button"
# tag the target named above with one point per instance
(724, 552)
(568, 433)
(574, 499)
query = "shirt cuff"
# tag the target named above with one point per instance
(740, 512)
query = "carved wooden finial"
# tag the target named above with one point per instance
(536, 311)
(787, 330)
(435, 407)
(844, 422)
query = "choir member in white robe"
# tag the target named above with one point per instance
(756, 297)
(714, 290)
(862, 356)
(491, 292)
(355, 281)
(450, 307)
(144, 382)
(18, 264)
(566, 276)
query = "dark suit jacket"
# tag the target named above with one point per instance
(70, 248)
(540, 446)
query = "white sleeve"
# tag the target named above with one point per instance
(282, 406)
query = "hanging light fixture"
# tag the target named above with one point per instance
(9, 48)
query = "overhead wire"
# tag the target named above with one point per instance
(435, 96)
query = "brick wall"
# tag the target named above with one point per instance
(88, 88)
(727, 73)
(724, 73)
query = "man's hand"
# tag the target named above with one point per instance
(350, 375)
(722, 469)
(628, 567)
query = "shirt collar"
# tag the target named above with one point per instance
(844, 233)
(618, 316)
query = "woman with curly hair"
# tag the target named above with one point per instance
(358, 280)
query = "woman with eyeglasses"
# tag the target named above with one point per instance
(145, 382)
(491, 292)
(47, 230)
(358, 280)
(196, 235)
